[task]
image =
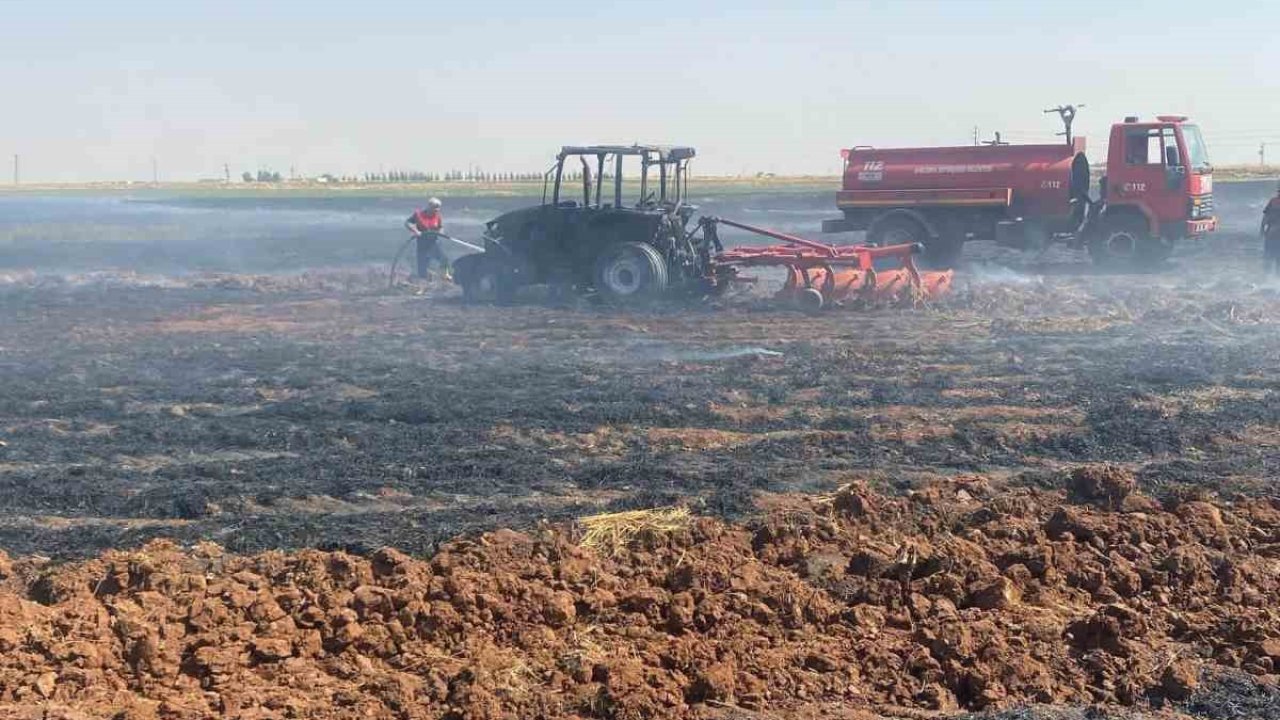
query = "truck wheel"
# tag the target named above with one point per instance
(897, 231)
(1125, 242)
(939, 252)
(630, 272)
(943, 253)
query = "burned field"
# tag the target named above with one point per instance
(288, 418)
(891, 511)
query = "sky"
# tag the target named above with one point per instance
(119, 90)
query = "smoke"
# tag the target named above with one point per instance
(989, 274)
(726, 354)
(646, 351)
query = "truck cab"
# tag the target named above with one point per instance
(1158, 189)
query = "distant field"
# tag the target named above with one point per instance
(714, 185)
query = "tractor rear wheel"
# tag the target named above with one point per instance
(631, 272)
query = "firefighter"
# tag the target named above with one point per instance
(427, 225)
(1271, 235)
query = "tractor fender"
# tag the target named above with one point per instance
(912, 215)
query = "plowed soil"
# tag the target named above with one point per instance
(307, 496)
(957, 595)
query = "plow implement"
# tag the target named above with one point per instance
(819, 275)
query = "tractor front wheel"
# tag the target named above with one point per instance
(486, 280)
(631, 272)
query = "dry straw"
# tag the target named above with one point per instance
(611, 533)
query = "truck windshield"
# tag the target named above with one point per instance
(1197, 153)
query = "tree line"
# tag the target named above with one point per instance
(403, 177)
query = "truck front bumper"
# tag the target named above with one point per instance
(1201, 227)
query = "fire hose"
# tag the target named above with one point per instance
(464, 248)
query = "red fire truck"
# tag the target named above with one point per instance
(1158, 188)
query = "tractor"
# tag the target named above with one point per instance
(624, 240)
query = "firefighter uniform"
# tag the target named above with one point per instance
(426, 225)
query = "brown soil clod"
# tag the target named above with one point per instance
(813, 608)
(1106, 486)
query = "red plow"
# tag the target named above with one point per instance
(820, 276)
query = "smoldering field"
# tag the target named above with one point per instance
(176, 371)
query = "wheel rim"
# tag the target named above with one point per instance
(625, 276)
(1122, 244)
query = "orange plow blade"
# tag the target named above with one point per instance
(820, 275)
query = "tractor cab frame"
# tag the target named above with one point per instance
(671, 163)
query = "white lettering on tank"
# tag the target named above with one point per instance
(953, 169)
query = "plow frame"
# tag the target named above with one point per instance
(821, 275)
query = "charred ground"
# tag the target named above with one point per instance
(269, 414)
(323, 412)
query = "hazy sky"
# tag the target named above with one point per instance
(95, 90)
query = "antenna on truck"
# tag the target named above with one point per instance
(1068, 115)
(995, 143)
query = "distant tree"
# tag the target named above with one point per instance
(246, 176)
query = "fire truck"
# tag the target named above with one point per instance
(1157, 189)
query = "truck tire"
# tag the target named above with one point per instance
(897, 231)
(1125, 242)
(939, 252)
(942, 253)
(631, 272)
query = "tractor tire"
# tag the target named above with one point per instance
(1125, 243)
(631, 272)
(488, 282)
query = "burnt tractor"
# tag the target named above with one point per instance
(627, 241)
(634, 240)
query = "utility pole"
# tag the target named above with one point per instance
(226, 172)
(975, 134)
(17, 168)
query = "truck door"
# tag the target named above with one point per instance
(1153, 176)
